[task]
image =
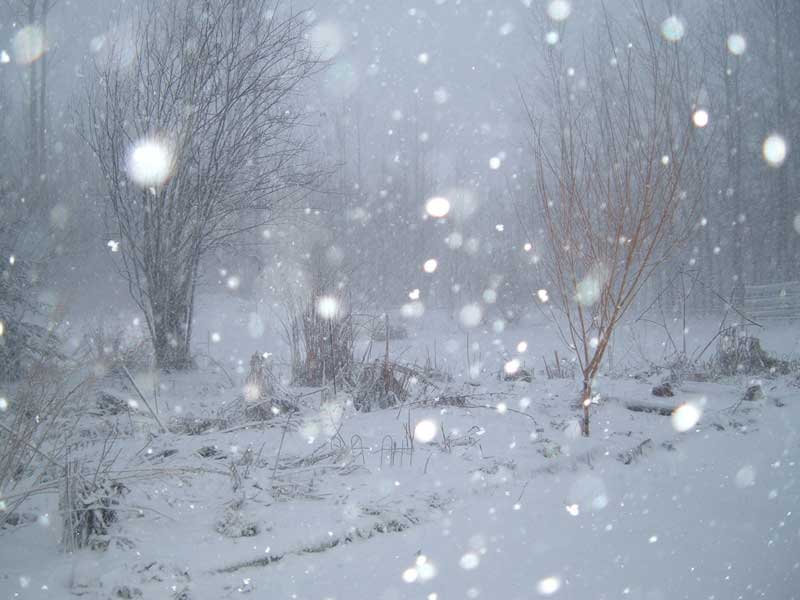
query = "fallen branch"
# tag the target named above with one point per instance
(659, 409)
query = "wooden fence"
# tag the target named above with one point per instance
(772, 301)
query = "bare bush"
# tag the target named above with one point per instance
(258, 389)
(112, 347)
(379, 384)
(33, 435)
(23, 343)
(739, 353)
(560, 369)
(381, 330)
(321, 342)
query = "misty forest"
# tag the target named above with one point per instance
(401, 299)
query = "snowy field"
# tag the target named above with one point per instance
(476, 487)
(402, 299)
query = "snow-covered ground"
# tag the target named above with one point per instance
(500, 497)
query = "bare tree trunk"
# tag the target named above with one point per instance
(171, 338)
(733, 138)
(42, 124)
(33, 108)
(586, 400)
(784, 217)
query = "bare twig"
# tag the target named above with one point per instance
(146, 403)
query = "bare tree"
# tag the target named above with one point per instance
(783, 16)
(31, 42)
(205, 103)
(615, 183)
(27, 249)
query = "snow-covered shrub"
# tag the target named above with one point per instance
(25, 338)
(262, 396)
(680, 367)
(30, 434)
(258, 390)
(192, 425)
(738, 353)
(88, 507)
(378, 331)
(110, 347)
(378, 385)
(23, 343)
(234, 524)
(561, 368)
(321, 345)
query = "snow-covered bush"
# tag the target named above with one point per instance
(738, 353)
(112, 346)
(88, 507)
(30, 434)
(22, 341)
(321, 345)
(378, 331)
(378, 385)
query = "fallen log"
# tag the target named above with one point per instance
(664, 410)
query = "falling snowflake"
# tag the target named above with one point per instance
(673, 29)
(512, 366)
(469, 561)
(470, 315)
(737, 44)
(326, 40)
(686, 416)
(437, 207)
(700, 118)
(548, 586)
(28, 45)
(327, 307)
(559, 10)
(775, 150)
(430, 265)
(150, 163)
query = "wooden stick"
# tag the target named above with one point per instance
(280, 446)
(141, 395)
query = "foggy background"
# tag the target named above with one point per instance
(421, 99)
